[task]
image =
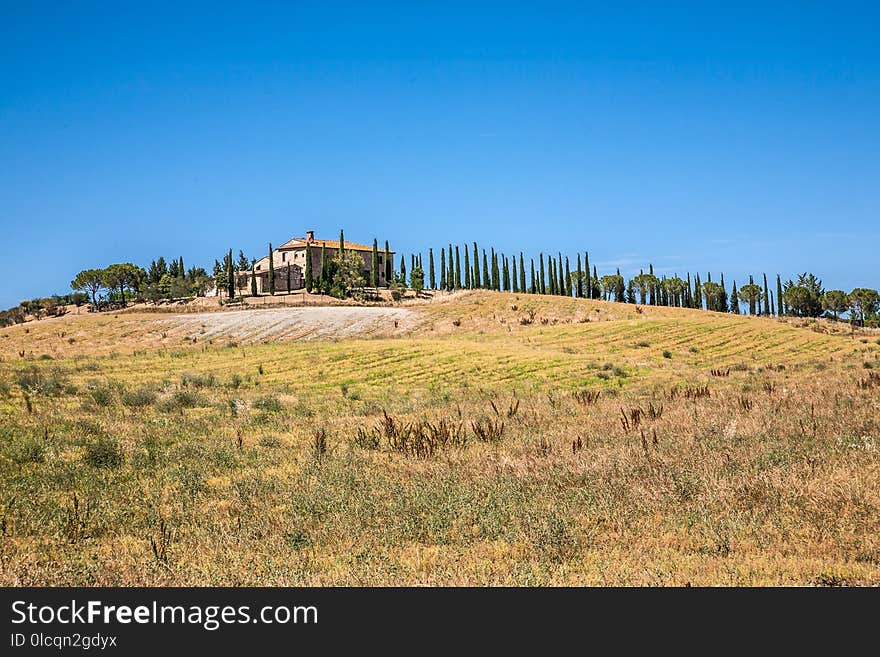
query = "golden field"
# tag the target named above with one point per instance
(474, 439)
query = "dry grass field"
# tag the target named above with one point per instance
(477, 438)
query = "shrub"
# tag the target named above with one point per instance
(102, 395)
(620, 372)
(139, 398)
(198, 380)
(103, 452)
(268, 403)
(693, 350)
(182, 399)
(29, 449)
(269, 441)
(667, 354)
(37, 382)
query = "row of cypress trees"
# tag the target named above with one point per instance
(469, 267)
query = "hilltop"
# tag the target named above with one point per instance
(473, 438)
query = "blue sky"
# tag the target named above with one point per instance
(740, 139)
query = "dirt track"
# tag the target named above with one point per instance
(287, 324)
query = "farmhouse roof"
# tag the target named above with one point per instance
(300, 243)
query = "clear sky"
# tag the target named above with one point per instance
(740, 139)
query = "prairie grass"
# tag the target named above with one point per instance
(467, 455)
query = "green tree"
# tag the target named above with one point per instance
(542, 287)
(766, 297)
(579, 287)
(862, 303)
(374, 264)
(643, 284)
(835, 302)
(734, 300)
(751, 294)
(432, 277)
(341, 243)
(389, 264)
(804, 296)
(588, 284)
(522, 273)
(457, 269)
(254, 278)
(712, 292)
(90, 281)
(417, 279)
(611, 285)
(514, 275)
(310, 276)
(533, 286)
(348, 278)
(442, 269)
(121, 277)
(496, 283)
(487, 282)
(230, 275)
(243, 263)
(271, 271)
(698, 292)
(476, 278)
(467, 268)
(450, 274)
(780, 302)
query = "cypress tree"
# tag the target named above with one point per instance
(389, 264)
(653, 292)
(271, 271)
(513, 277)
(467, 268)
(780, 302)
(734, 303)
(442, 269)
(476, 278)
(588, 284)
(402, 268)
(431, 277)
(688, 295)
(310, 281)
(487, 282)
(532, 286)
(374, 263)
(450, 271)
(723, 305)
(542, 287)
(579, 290)
(751, 298)
(341, 244)
(495, 282)
(551, 276)
(253, 278)
(766, 297)
(596, 290)
(560, 272)
(180, 267)
(505, 274)
(568, 277)
(698, 292)
(324, 276)
(522, 273)
(457, 269)
(230, 268)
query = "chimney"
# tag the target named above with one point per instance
(310, 236)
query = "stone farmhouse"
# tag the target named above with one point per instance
(289, 262)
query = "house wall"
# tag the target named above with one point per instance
(296, 259)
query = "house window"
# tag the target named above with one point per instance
(283, 257)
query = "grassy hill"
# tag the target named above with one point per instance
(477, 438)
